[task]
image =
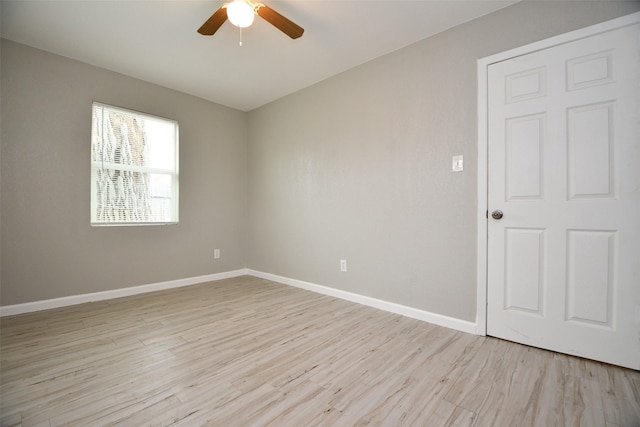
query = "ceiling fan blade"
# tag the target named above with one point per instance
(214, 22)
(280, 22)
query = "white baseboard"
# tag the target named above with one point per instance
(426, 316)
(29, 307)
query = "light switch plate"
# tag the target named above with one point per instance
(457, 164)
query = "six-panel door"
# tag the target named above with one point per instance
(564, 168)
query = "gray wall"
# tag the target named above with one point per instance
(49, 249)
(355, 167)
(359, 166)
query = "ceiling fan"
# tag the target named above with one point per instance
(241, 13)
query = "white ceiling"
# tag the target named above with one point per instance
(156, 40)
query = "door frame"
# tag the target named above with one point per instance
(483, 143)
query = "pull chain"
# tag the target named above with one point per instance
(240, 36)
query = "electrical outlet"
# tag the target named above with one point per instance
(216, 254)
(343, 265)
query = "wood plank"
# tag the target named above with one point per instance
(250, 351)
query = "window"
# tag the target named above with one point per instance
(134, 168)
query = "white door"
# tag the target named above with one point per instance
(564, 168)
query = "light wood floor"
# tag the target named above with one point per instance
(249, 352)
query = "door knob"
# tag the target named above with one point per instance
(497, 214)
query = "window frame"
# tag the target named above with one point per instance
(96, 165)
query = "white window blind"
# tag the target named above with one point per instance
(134, 168)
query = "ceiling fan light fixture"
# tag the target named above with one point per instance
(240, 13)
